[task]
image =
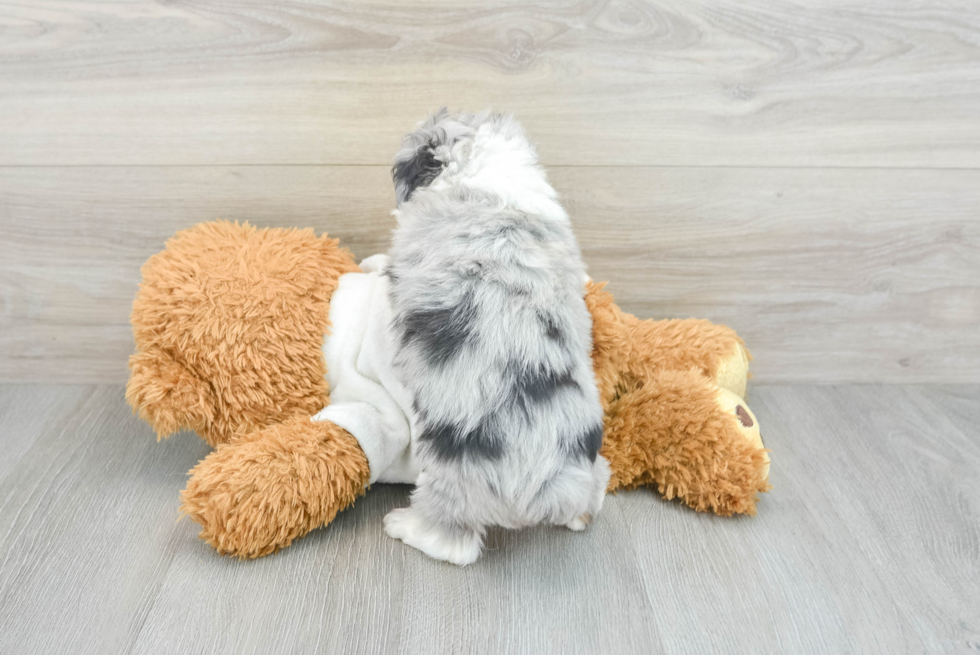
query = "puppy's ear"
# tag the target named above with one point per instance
(415, 168)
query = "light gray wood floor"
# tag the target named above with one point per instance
(869, 542)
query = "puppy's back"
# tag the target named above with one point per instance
(494, 343)
(493, 335)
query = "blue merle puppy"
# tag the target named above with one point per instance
(493, 340)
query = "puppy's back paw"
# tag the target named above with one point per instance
(460, 547)
(579, 523)
(399, 523)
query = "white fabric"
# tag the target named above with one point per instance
(366, 398)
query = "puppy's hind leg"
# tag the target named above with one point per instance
(600, 480)
(438, 537)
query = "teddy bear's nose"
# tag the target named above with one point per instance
(743, 416)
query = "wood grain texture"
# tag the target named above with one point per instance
(829, 275)
(87, 526)
(702, 82)
(336, 591)
(956, 407)
(869, 542)
(28, 411)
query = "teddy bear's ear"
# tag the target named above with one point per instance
(169, 396)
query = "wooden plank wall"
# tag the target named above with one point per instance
(806, 173)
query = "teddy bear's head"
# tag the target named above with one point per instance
(229, 324)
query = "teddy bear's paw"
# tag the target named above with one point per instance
(460, 547)
(257, 494)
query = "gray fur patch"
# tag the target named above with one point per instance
(416, 171)
(424, 152)
(441, 332)
(552, 329)
(538, 386)
(589, 443)
(450, 442)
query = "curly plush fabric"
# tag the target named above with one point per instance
(257, 494)
(667, 422)
(626, 348)
(229, 324)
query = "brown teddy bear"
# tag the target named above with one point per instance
(231, 324)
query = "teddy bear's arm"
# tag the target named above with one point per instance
(256, 494)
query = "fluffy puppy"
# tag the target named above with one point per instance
(492, 339)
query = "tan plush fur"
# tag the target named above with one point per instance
(229, 325)
(664, 425)
(256, 494)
